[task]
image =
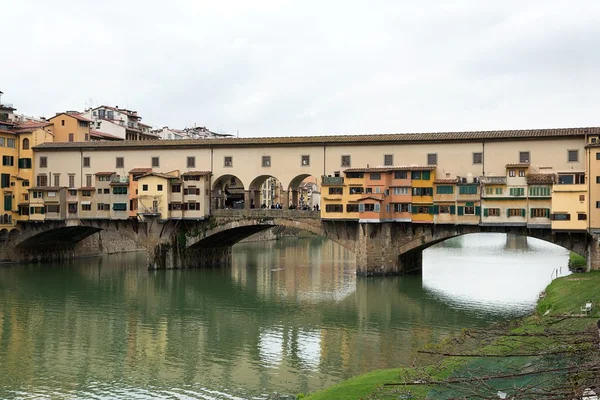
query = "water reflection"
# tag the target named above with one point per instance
(288, 316)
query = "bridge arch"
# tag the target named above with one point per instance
(304, 192)
(228, 191)
(265, 190)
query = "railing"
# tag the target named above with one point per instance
(493, 180)
(332, 180)
(267, 213)
(150, 210)
(120, 179)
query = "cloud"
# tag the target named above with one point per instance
(298, 68)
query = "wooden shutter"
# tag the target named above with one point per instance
(485, 212)
(461, 210)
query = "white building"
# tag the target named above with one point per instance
(167, 133)
(119, 122)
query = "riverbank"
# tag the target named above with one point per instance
(549, 351)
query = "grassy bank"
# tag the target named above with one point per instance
(577, 262)
(548, 345)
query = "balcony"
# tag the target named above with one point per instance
(119, 180)
(332, 180)
(149, 210)
(493, 180)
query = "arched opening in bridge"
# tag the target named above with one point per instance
(495, 273)
(304, 192)
(265, 191)
(228, 191)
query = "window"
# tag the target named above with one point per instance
(25, 144)
(71, 180)
(582, 197)
(72, 192)
(570, 179)
(120, 162)
(401, 207)
(388, 159)
(62, 122)
(346, 161)
(25, 163)
(351, 208)
(175, 207)
(561, 217)
(572, 155)
(42, 180)
(517, 191)
(87, 137)
(106, 191)
(86, 162)
(468, 189)
(72, 208)
(86, 193)
(88, 180)
(375, 176)
(334, 208)
(524, 157)
(71, 137)
(522, 173)
(228, 161)
(539, 212)
(581, 217)
(191, 206)
(110, 114)
(25, 183)
(469, 210)
(57, 180)
(515, 212)
(101, 113)
(191, 162)
(355, 175)
(43, 162)
(491, 212)
(423, 210)
(86, 207)
(598, 204)
(305, 160)
(197, 178)
(432, 159)
(400, 175)
(444, 209)
(377, 189)
(499, 190)
(83, 124)
(477, 158)
(176, 188)
(512, 173)
(5, 180)
(266, 161)
(159, 188)
(445, 189)
(119, 206)
(119, 189)
(11, 143)
(191, 192)
(336, 190)
(539, 191)
(8, 161)
(489, 190)
(400, 190)
(155, 162)
(598, 155)
(144, 188)
(356, 190)
(422, 191)
(53, 208)
(38, 195)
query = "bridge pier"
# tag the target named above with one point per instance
(375, 253)
(170, 256)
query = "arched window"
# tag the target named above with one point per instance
(25, 144)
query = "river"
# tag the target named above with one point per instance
(288, 316)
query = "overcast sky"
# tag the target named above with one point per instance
(282, 68)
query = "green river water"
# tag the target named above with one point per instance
(288, 316)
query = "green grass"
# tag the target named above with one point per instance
(564, 296)
(577, 262)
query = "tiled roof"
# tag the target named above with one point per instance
(539, 179)
(9, 132)
(76, 116)
(372, 197)
(104, 173)
(518, 165)
(30, 126)
(339, 139)
(393, 168)
(196, 173)
(87, 188)
(446, 180)
(140, 170)
(103, 135)
(159, 174)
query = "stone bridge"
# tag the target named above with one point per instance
(381, 249)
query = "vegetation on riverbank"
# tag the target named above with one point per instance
(550, 354)
(577, 263)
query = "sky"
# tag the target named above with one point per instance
(298, 68)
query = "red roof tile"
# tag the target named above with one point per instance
(103, 135)
(518, 165)
(196, 173)
(140, 170)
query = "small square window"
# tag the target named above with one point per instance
(582, 197)
(155, 162)
(120, 162)
(582, 217)
(388, 159)
(228, 161)
(266, 161)
(524, 157)
(346, 161)
(191, 162)
(305, 160)
(432, 159)
(477, 158)
(159, 188)
(521, 173)
(43, 162)
(573, 155)
(144, 188)
(86, 162)
(598, 155)
(512, 173)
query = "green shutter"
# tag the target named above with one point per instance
(461, 210)
(470, 204)
(361, 207)
(547, 212)
(8, 203)
(478, 210)
(31, 210)
(426, 175)
(43, 210)
(523, 212)
(430, 210)
(436, 210)
(377, 207)
(485, 212)
(531, 213)
(415, 209)
(453, 210)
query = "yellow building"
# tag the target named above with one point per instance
(593, 165)
(569, 202)
(70, 127)
(422, 194)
